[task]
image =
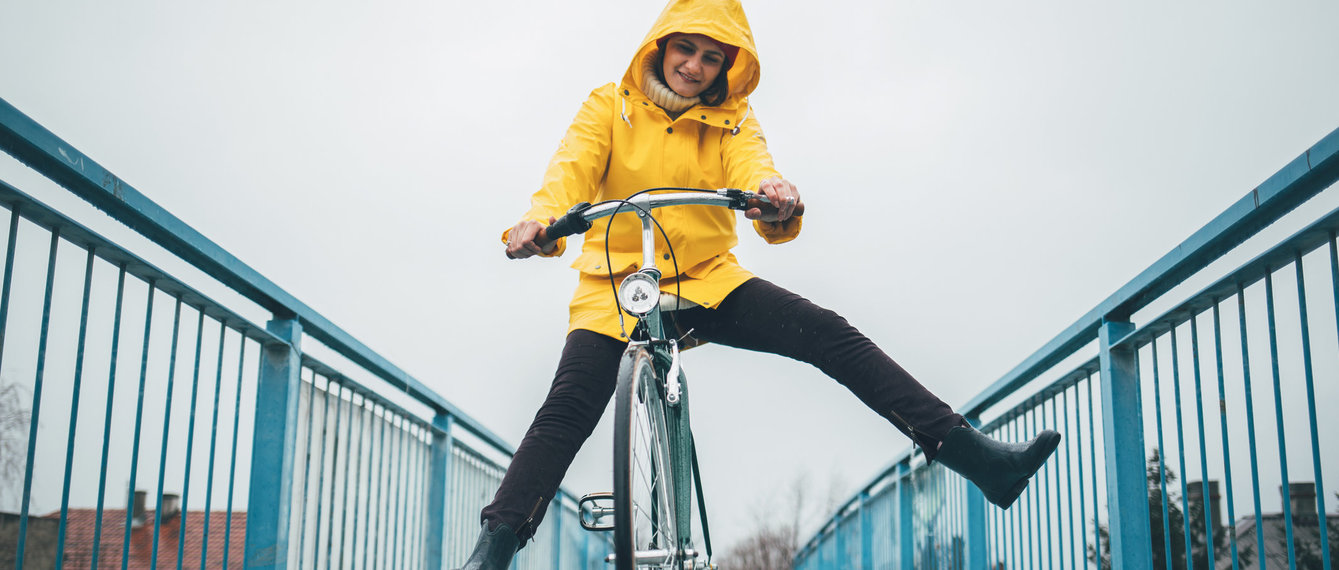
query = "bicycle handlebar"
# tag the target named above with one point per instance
(579, 218)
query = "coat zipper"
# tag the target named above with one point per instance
(531, 519)
(910, 430)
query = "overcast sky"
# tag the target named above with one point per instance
(978, 175)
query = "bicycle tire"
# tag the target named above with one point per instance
(645, 521)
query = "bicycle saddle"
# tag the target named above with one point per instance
(671, 302)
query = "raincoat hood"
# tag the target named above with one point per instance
(721, 20)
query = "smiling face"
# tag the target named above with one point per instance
(691, 63)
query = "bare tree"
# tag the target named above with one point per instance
(768, 548)
(777, 522)
(14, 418)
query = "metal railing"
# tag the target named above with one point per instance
(1114, 497)
(120, 383)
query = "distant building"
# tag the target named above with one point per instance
(82, 524)
(1306, 535)
(39, 550)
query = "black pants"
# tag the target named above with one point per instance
(756, 316)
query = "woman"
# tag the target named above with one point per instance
(680, 117)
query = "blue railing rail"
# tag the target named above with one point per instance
(1304, 177)
(322, 443)
(1111, 434)
(43, 151)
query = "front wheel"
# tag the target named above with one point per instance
(645, 525)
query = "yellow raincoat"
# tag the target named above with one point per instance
(621, 143)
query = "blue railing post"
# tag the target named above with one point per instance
(839, 537)
(438, 485)
(906, 539)
(585, 547)
(1123, 424)
(977, 533)
(866, 533)
(272, 448)
(556, 507)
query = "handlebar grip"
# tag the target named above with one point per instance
(747, 200)
(573, 222)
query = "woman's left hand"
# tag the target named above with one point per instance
(785, 201)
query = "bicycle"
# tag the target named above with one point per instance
(655, 462)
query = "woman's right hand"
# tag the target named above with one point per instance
(783, 201)
(521, 240)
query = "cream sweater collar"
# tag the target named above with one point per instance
(658, 92)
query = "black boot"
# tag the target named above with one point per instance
(494, 549)
(1001, 470)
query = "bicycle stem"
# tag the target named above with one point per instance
(643, 204)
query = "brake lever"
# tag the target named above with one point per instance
(739, 199)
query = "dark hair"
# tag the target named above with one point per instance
(719, 90)
(711, 96)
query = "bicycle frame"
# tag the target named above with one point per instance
(665, 352)
(650, 335)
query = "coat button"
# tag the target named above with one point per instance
(625, 91)
(704, 117)
(667, 256)
(645, 104)
(727, 121)
(669, 130)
